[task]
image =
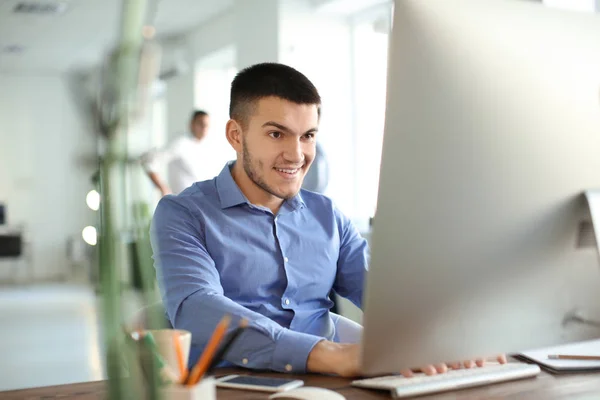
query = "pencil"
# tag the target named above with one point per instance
(209, 351)
(183, 372)
(227, 345)
(573, 357)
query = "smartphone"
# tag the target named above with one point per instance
(259, 383)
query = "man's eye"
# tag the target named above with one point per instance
(275, 135)
(309, 136)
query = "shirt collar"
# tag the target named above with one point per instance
(230, 194)
(295, 202)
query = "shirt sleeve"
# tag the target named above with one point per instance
(152, 160)
(193, 296)
(352, 263)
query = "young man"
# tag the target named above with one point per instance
(185, 158)
(250, 243)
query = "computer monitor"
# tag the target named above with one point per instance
(2, 214)
(492, 134)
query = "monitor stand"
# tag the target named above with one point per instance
(588, 237)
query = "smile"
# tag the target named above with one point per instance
(287, 172)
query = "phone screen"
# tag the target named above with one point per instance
(259, 381)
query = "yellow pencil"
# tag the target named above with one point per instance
(209, 351)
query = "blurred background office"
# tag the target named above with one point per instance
(51, 53)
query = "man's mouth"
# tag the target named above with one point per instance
(287, 171)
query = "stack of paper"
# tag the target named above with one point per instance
(587, 348)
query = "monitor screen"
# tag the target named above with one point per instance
(492, 135)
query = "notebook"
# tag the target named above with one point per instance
(588, 347)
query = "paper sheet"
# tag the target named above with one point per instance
(586, 348)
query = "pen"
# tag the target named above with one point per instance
(573, 357)
(209, 351)
(227, 345)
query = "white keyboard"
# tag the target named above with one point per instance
(422, 384)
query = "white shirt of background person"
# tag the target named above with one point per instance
(185, 158)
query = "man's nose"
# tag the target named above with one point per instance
(293, 151)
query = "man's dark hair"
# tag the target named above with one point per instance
(265, 80)
(198, 113)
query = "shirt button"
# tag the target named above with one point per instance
(288, 368)
(245, 361)
(287, 302)
(285, 259)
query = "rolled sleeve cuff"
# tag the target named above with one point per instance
(150, 166)
(149, 162)
(292, 350)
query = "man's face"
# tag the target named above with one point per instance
(199, 126)
(278, 145)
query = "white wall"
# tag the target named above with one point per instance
(180, 103)
(46, 153)
(212, 36)
(251, 26)
(256, 31)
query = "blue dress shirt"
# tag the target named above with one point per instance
(216, 254)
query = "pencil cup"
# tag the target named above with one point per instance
(164, 340)
(204, 390)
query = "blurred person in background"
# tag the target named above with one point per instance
(185, 158)
(317, 177)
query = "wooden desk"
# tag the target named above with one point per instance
(544, 387)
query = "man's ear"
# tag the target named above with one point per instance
(233, 131)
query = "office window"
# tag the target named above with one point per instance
(370, 45)
(159, 120)
(213, 76)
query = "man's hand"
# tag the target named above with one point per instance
(160, 185)
(164, 190)
(442, 368)
(334, 358)
(344, 360)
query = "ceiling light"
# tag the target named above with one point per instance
(93, 200)
(90, 235)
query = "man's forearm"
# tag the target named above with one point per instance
(263, 345)
(334, 358)
(160, 185)
(322, 358)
